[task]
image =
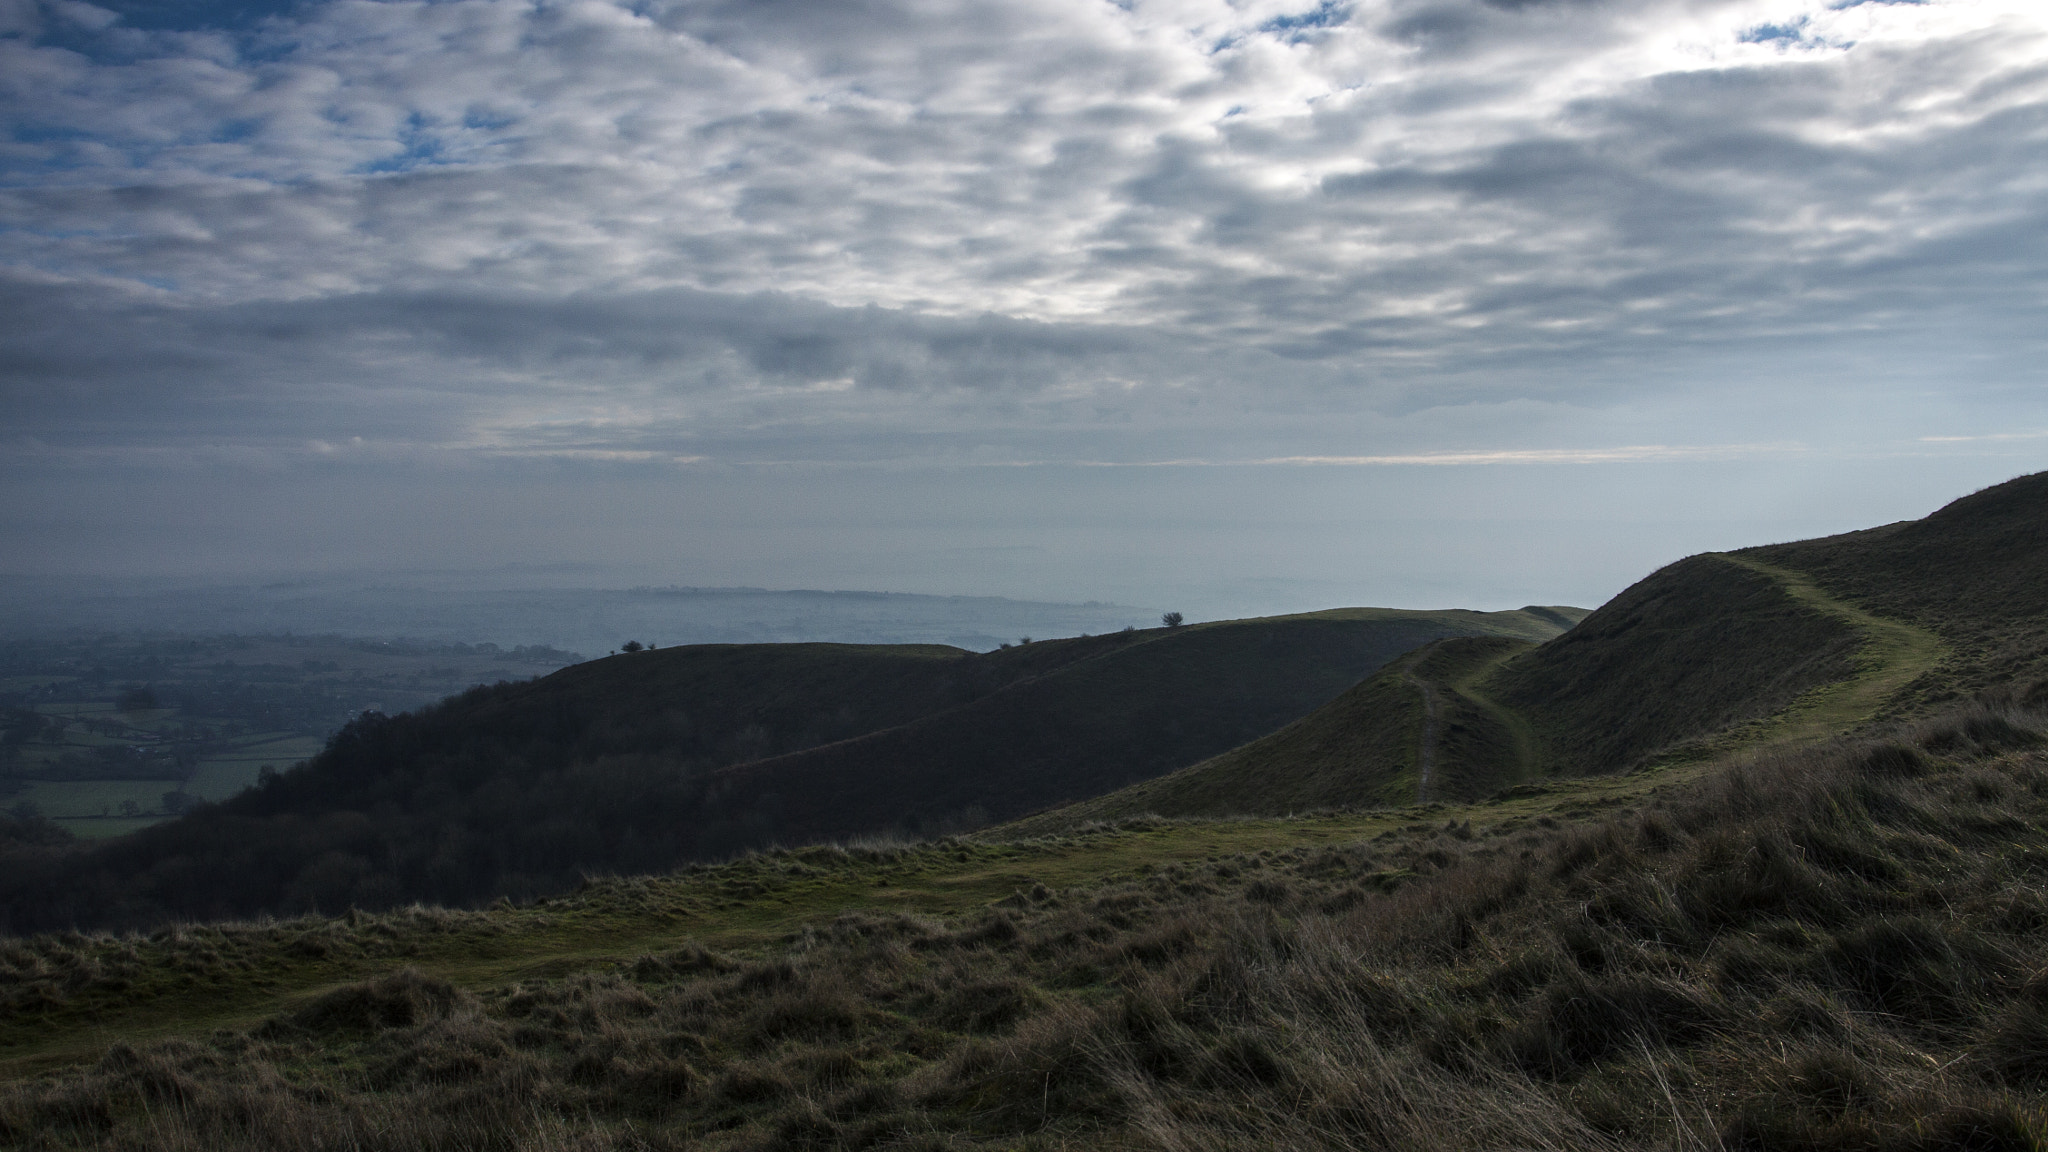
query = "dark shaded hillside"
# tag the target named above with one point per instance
(613, 766)
(698, 707)
(1694, 648)
(1363, 749)
(1975, 572)
(1098, 726)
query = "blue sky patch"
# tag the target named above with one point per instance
(1790, 32)
(1328, 14)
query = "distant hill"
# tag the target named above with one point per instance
(642, 761)
(473, 607)
(1798, 640)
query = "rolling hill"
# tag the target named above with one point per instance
(1813, 921)
(1788, 641)
(646, 760)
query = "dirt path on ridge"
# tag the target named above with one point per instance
(1425, 755)
(1893, 655)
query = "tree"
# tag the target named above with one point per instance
(631, 646)
(1172, 619)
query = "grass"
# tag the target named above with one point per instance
(1525, 746)
(1698, 648)
(219, 777)
(1969, 573)
(1826, 947)
(745, 906)
(1893, 655)
(1848, 668)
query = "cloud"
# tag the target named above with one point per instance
(1635, 454)
(1992, 436)
(601, 229)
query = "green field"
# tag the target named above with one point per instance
(73, 799)
(92, 809)
(221, 776)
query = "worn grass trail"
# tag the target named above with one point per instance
(1894, 654)
(1425, 747)
(1527, 746)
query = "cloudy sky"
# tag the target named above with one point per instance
(1240, 305)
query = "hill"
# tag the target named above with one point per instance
(1971, 573)
(1801, 640)
(1098, 725)
(1776, 936)
(646, 760)
(1411, 731)
(1838, 948)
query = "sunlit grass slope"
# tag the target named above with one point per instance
(1971, 573)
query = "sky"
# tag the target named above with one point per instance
(1238, 307)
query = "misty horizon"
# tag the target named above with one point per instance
(1238, 308)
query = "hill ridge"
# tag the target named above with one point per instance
(813, 783)
(1894, 654)
(1502, 743)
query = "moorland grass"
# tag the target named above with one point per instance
(1834, 946)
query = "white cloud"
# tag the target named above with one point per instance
(504, 225)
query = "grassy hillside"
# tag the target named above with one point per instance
(1099, 725)
(1411, 732)
(642, 761)
(1717, 652)
(1697, 648)
(1970, 572)
(1837, 948)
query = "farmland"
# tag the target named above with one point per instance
(109, 734)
